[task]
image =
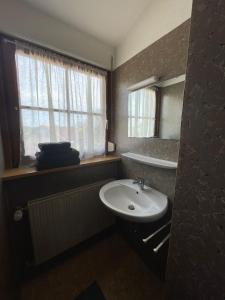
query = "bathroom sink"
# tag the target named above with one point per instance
(130, 202)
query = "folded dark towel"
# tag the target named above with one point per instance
(54, 147)
(63, 156)
(55, 156)
(40, 165)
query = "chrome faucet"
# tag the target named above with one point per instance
(140, 181)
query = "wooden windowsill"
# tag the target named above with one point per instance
(12, 174)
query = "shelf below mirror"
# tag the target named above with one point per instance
(147, 160)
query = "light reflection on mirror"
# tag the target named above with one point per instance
(171, 111)
(156, 111)
(141, 113)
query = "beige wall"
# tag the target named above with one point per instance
(19, 19)
(161, 17)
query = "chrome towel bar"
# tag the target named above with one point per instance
(156, 249)
(156, 232)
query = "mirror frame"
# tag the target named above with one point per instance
(156, 83)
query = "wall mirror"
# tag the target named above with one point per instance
(155, 108)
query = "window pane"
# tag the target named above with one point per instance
(98, 96)
(61, 126)
(58, 89)
(78, 91)
(35, 129)
(141, 113)
(99, 125)
(32, 81)
(79, 132)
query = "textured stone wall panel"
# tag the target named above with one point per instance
(196, 263)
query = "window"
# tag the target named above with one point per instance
(142, 113)
(60, 100)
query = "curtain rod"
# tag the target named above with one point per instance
(13, 41)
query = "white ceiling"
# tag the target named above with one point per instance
(107, 20)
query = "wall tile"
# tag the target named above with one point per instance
(166, 58)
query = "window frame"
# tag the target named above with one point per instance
(157, 111)
(108, 92)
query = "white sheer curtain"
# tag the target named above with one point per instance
(60, 100)
(141, 113)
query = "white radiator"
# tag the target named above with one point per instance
(61, 221)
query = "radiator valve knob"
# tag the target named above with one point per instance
(18, 215)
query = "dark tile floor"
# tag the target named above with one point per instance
(119, 271)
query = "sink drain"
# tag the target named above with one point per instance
(131, 207)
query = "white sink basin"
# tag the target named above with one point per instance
(128, 201)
